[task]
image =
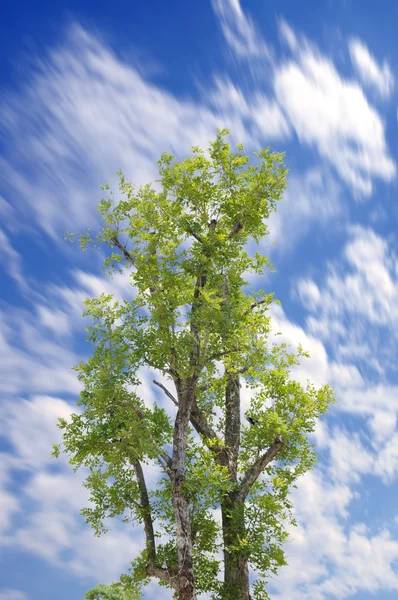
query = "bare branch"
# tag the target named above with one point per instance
(255, 304)
(166, 391)
(123, 250)
(258, 467)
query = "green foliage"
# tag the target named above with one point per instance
(111, 592)
(187, 248)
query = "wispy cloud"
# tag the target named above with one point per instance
(378, 76)
(331, 555)
(11, 261)
(239, 30)
(334, 115)
(12, 595)
(98, 114)
(52, 523)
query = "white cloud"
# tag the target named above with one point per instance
(348, 457)
(333, 115)
(98, 114)
(12, 595)
(11, 261)
(365, 285)
(53, 525)
(309, 293)
(30, 362)
(263, 116)
(56, 320)
(316, 369)
(311, 197)
(8, 502)
(378, 76)
(288, 35)
(329, 557)
(239, 30)
(31, 428)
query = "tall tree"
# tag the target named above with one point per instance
(221, 501)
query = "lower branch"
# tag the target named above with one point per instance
(152, 569)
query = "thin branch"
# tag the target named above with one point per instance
(255, 304)
(123, 250)
(258, 467)
(195, 235)
(166, 391)
(202, 427)
(218, 355)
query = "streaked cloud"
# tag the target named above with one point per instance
(239, 30)
(378, 76)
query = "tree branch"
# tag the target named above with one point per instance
(253, 473)
(166, 391)
(202, 427)
(236, 229)
(166, 460)
(146, 512)
(123, 250)
(210, 437)
(152, 568)
(195, 235)
(255, 304)
(222, 353)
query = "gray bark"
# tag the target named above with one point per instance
(186, 581)
(236, 563)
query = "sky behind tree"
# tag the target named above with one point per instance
(86, 90)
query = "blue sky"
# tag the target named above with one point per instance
(87, 89)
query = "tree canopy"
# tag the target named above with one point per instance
(220, 504)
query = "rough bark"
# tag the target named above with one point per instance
(186, 581)
(232, 423)
(236, 563)
(153, 570)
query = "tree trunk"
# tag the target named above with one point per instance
(186, 581)
(236, 564)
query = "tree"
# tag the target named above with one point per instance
(115, 591)
(188, 247)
